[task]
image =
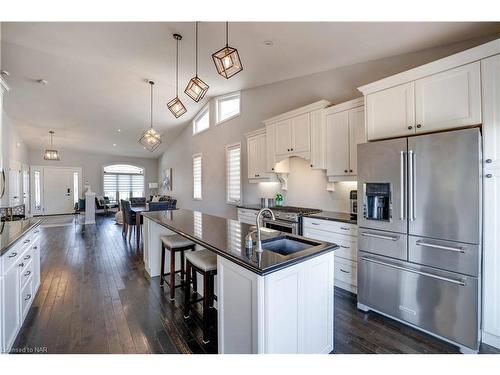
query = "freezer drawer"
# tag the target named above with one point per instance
(439, 302)
(383, 243)
(452, 256)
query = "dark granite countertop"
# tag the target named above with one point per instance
(334, 216)
(226, 237)
(12, 231)
(250, 206)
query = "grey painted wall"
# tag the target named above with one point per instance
(306, 187)
(92, 165)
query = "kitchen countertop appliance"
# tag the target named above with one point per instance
(288, 218)
(353, 203)
(419, 245)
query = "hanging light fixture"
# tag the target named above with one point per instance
(227, 60)
(175, 105)
(51, 154)
(196, 88)
(150, 139)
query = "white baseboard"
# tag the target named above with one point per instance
(490, 339)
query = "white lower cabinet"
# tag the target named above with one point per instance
(287, 311)
(247, 216)
(346, 257)
(19, 282)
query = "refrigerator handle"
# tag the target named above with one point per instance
(411, 192)
(402, 169)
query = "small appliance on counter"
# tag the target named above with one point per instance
(267, 202)
(353, 198)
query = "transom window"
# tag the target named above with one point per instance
(202, 120)
(197, 177)
(227, 107)
(122, 181)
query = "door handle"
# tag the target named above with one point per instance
(342, 270)
(411, 185)
(460, 282)
(458, 249)
(13, 255)
(402, 168)
(390, 238)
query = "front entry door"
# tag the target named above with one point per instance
(58, 190)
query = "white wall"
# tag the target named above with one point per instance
(306, 187)
(13, 148)
(92, 165)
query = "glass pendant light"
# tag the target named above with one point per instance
(227, 60)
(150, 139)
(175, 105)
(196, 88)
(51, 154)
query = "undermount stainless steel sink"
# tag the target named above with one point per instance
(286, 245)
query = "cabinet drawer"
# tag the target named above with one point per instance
(346, 271)
(331, 226)
(383, 243)
(26, 273)
(14, 254)
(26, 297)
(348, 244)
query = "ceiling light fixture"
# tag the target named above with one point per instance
(150, 139)
(227, 60)
(196, 88)
(175, 105)
(51, 154)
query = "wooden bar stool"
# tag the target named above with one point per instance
(174, 243)
(204, 262)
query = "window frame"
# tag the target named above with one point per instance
(200, 155)
(200, 114)
(220, 99)
(130, 193)
(227, 148)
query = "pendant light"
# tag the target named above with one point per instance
(227, 60)
(150, 139)
(196, 88)
(51, 154)
(175, 105)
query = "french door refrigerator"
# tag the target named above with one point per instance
(420, 233)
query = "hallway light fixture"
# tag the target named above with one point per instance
(150, 139)
(175, 105)
(51, 154)
(196, 88)
(227, 60)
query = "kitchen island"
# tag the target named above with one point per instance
(268, 302)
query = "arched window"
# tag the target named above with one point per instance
(122, 181)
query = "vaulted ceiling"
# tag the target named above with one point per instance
(97, 72)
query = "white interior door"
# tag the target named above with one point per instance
(58, 189)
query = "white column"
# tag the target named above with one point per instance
(89, 208)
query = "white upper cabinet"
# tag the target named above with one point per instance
(301, 133)
(345, 129)
(297, 133)
(318, 140)
(449, 99)
(256, 154)
(391, 112)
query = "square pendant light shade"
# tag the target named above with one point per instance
(227, 61)
(176, 107)
(150, 139)
(51, 155)
(196, 89)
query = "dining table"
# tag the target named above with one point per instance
(137, 210)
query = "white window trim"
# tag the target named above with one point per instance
(201, 177)
(201, 112)
(234, 203)
(222, 97)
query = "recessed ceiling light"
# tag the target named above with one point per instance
(268, 43)
(42, 81)
(114, 144)
(119, 130)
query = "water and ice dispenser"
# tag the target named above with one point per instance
(377, 201)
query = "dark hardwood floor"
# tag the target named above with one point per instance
(95, 297)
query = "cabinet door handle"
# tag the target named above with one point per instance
(27, 241)
(389, 238)
(350, 170)
(291, 149)
(21, 265)
(488, 161)
(35, 247)
(343, 270)
(344, 228)
(13, 255)
(488, 175)
(27, 273)
(27, 297)
(419, 126)
(345, 247)
(345, 170)
(37, 231)
(314, 223)
(410, 127)
(27, 257)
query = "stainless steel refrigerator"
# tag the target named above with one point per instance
(419, 246)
